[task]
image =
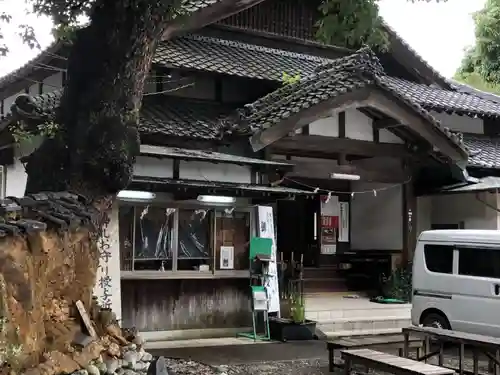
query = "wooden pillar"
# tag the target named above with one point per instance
(409, 222)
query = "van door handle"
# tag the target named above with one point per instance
(497, 289)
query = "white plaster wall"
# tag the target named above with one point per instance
(145, 166)
(16, 177)
(424, 214)
(153, 167)
(376, 221)
(460, 123)
(358, 126)
(327, 126)
(385, 136)
(108, 282)
(194, 170)
(456, 208)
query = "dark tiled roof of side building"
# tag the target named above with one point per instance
(234, 58)
(163, 115)
(484, 151)
(439, 100)
(202, 53)
(333, 79)
(252, 61)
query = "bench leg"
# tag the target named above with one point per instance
(406, 344)
(331, 358)
(347, 366)
(461, 359)
(441, 353)
(475, 360)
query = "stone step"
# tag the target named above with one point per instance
(363, 326)
(321, 272)
(322, 285)
(335, 312)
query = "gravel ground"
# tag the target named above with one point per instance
(241, 361)
(320, 367)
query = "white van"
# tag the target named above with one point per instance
(456, 281)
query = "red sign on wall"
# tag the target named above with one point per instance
(329, 221)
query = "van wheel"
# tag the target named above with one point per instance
(435, 320)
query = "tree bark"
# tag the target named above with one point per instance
(97, 141)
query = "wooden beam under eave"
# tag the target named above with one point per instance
(319, 144)
(207, 16)
(322, 171)
(406, 115)
(265, 137)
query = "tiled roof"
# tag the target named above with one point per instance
(484, 151)
(432, 98)
(252, 61)
(194, 5)
(462, 87)
(47, 54)
(164, 115)
(333, 79)
(188, 6)
(234, 58)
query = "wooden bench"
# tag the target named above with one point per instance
(372, 359)
(380, 341)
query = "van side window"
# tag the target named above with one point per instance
(439, 258)
(479, 262)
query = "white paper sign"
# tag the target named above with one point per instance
(344, 222)
(266, 230)
(227, 257)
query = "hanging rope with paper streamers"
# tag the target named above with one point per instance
(329, 193)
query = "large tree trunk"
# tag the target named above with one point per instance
(94, 152)
(92, 155)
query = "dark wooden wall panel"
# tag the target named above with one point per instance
(159, 305)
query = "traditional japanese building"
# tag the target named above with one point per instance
(357, 153)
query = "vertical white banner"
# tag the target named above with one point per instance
(265, 229)
(344, 222)
(108, 281)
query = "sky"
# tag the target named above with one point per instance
(438, 31)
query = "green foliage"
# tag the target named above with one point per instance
(475, 80)
(288, 79)
(351, 24)
(22, 133)
(483, 59)
(398, 285)
(297, 306)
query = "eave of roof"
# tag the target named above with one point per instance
(206, 155)
(176, 117)
(218, 185)
(333, 79)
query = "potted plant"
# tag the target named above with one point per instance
(293, 324)
(397, 287)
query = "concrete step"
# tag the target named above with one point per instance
(364, 326)
(333, 306)
(323, 284)
(325, 313)
(321, 272)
